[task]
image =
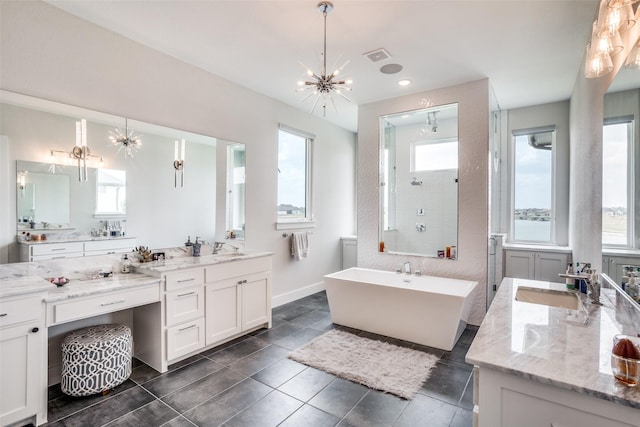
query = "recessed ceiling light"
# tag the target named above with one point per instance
(404, 82)
(391, 68)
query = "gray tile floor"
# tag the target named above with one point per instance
(250, 382)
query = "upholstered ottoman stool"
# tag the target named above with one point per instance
(95, 359)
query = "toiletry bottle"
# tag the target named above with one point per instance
(125, 265)
(196, 248)
(624, 279)
(569, 281)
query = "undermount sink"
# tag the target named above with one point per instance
(548, 297)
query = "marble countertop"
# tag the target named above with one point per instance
(75, 288)
(117, 282)
(157, 268)
(547, 345)
(24, 285)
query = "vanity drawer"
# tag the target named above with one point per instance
(106, 246)
(20, 310)
(231, 269)
(79, 308)
(185, 338)
(184, 304)
(184, 278)
(57, 248)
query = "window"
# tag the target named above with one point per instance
(440, 154)
(617, 209)
(111, 194)
(532, 183)
(294, 176)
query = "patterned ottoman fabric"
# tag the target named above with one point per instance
(95, 359)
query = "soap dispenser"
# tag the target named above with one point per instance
(196, 248)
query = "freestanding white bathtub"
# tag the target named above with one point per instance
(427, 310)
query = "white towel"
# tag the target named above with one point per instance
(299, 245)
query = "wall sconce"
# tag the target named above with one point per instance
(22, 183)
(81, 150)
(178, 164)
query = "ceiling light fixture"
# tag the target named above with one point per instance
(323, 85)
(614, 17)
(405, 82)
(127, 140)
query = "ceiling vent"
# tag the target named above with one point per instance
(377, 55)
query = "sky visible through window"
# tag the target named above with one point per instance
(532, 176)
(292, 155)
(614, 166)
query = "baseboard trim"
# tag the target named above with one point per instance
(297, 294)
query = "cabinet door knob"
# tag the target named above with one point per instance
(34, 330)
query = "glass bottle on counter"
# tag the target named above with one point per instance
(125, 264)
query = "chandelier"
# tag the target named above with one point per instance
(323, 85)
(126, 140)
(614, 18)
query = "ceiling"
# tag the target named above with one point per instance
(531, 51)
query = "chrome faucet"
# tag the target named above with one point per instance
(217, 246)
(406, 267)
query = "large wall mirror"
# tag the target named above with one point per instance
(419, 181)
(236, 160)
(138, 192)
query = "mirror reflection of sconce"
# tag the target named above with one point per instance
(22, 183)
(178, 164)
(79, 152)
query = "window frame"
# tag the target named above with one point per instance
(512, 176)
(308, 221)
(631, 188)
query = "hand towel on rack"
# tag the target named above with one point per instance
(299, 245)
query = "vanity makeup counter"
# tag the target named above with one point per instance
(176, 308)
(539, 363)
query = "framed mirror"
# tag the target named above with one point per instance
(235, 215)
(419, 182)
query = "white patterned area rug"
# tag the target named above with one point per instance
(375, 364)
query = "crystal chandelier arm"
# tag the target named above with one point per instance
(308, 96)
(315, 103)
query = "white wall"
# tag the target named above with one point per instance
(53, 55)
(473, 136)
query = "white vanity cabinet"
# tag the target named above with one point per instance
(505, 400)
(105, 247)
(612, 264)
(42, 251)
(238, 298)
(47, 251)
(23, 341)
(184, 312)
(535, 265)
